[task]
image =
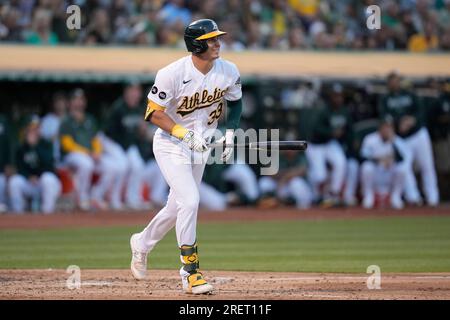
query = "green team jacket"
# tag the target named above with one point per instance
(34, 160)
(399, 104)
(440, 118)
(122, 124)
(5, 135)
(330, 119)
(82, 133)
(145, 148)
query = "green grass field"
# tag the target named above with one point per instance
(420, 244)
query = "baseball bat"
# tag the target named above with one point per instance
(266, 145)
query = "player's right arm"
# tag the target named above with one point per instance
(159, 99)
(192, 139)
(322, 131)
(161, 119)
(68, 143)
(367, 152)
(402, 152)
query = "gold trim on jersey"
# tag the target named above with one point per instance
(152, 107)
(200, 101)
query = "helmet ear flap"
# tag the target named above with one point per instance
(200, 46)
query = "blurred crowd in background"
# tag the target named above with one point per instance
(371, 143)
(414, 25)
(379, 145)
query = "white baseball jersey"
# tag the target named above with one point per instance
(196, 102)
(373, 147)
(192, 99)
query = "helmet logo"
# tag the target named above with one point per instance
(196, 30)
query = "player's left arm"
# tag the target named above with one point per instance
(96, 143)
(418, 111)
(413, 117)
(350, 137)
(401, 151)
(233, 97)
(234, 114)
(45, 152)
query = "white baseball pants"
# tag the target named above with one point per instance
(351, 181)
(245, 179)
(109, 170)
(135, 177)
(211, 198)
(153, 177)
(2, 189)
(422, 153)
(377, 178)
(113, 151)
(47, 190)
(134, 173)
(318, 155)
(296, 188)
(183, 177)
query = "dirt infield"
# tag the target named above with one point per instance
(99, 219)
(165, 284)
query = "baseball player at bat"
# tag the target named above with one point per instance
(185, 102)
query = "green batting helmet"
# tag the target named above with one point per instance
(196, 34)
